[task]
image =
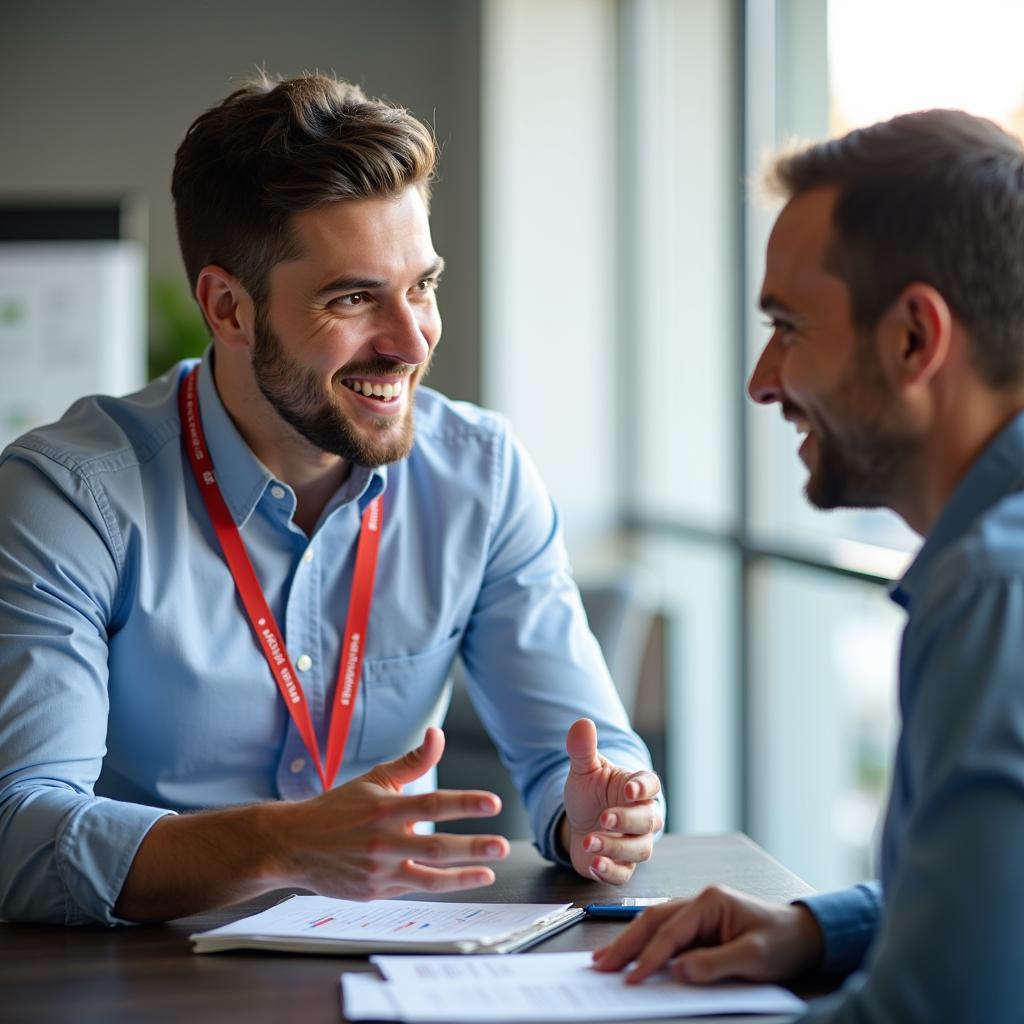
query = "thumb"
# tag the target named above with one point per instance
(581, 746)
(395, 774)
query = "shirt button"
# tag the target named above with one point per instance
(307, 556)
(303, 662)
(297, 765)
(277, 491)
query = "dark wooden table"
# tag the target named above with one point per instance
(149, 973)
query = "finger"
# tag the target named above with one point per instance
(742, 958)
(445, 805)
(416, 763)
(444, 848)
(612, 872)
(639, 819)
(675, 934)
(635, 937)
(642, 785)
(581, 746)
(624, 849)
(424, 878)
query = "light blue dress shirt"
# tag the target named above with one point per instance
(131, 684)
(947, 941)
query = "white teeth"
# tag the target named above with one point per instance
(364, 387)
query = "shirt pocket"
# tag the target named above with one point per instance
(402, 697)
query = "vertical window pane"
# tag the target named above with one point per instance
(700, 598)
(822, 707)
(788, 96)
(678, 315)
(853, 91)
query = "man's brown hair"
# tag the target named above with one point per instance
(935, 196)
(274, 148)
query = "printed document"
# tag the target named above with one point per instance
(537, 987)
(320, 924)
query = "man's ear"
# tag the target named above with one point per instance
(914, 336)
(226, 305)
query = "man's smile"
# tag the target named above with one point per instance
(383, 395)
(804, 429)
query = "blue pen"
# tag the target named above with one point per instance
(625, 908)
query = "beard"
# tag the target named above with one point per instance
(862, 459)
(298, 397)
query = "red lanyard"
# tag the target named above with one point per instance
(256, 607)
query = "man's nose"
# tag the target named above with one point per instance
(407, 334)
(765, 384)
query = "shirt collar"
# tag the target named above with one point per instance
(243, 479)
(998, 471)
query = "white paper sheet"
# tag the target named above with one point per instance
(544, 987)
(366, 997)
(389, 920)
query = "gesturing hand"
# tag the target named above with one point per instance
(738, 937)
(610, 813)
(357, 841)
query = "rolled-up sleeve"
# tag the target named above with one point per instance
(64, 853)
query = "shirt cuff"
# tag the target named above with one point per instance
(95, 849)
(848, 920)
(545, 814)
(552, 848)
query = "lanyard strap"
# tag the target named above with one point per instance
(258, 611)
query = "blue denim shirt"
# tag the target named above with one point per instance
(945, 943)
(131, 684)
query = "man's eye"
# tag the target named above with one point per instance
(428, 284)
(355, 299)
(781, 326)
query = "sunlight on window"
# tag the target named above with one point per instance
(889, 57)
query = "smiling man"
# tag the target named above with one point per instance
(894, 281)
(239, 592)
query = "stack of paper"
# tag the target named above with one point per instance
(319, 924)
(538, 987)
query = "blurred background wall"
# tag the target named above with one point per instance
(96, 97)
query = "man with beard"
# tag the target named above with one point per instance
(894, 281)
(239, 592)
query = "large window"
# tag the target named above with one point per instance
(623, 258)
(784, 642)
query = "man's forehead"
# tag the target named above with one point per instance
(377, 219)
(378, 237)
(798, 243)
(805, 222)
